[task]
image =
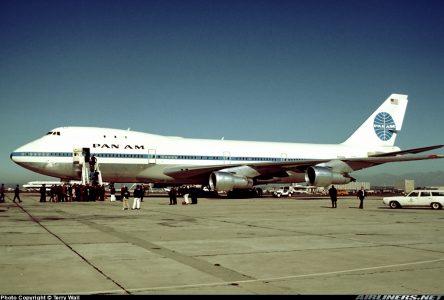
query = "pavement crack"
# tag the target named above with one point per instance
(72, 249)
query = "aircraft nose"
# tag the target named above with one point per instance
(12, 156)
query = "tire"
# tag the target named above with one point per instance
(394, 204)
(435, 205)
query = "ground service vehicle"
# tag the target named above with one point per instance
(284, 191)
(342, 193)
(417, 198)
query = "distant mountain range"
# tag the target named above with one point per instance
(422, 179)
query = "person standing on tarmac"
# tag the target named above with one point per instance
(193, 195)
(333, 196)
(2, 193)
(113, 193)
(142, 194)
(43, 193)
(137, 197)
(173, 196)
(125, 196)
(361, 195)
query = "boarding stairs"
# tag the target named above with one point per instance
(90, 176)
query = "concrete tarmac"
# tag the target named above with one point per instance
(220, 246)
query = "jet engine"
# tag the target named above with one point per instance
(323, 176)
(223, 181)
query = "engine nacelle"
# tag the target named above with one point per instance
(323, 176)
(223, 181)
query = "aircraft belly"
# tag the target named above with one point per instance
(133, 173)
(54, 169)
(110, 172)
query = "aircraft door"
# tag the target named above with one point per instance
(283, 156)
(81, 155)
(226, 157)
(151, 156)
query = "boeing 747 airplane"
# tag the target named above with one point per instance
(223, 165)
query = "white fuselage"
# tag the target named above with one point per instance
(129, 156)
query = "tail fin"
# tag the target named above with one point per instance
(381, 128)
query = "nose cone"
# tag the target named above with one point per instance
(19, 155)
(14, 155)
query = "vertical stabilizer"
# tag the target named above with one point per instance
(381, 128)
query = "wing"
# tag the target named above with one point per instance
(270, 170)
(362, 163)
(250, 170)
(408, 151)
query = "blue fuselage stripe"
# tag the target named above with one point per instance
(156, 156)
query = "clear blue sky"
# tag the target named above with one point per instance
(302, 71)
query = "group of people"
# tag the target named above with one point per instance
(188, 193)
(75, 192)
(139, 193)
(79, 192)
(333, 192)
(65, 193)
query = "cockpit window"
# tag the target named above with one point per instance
(53, 133)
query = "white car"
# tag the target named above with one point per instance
(424, 198)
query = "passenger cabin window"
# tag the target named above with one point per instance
(425, 194)
(413, 194)
(438, 194)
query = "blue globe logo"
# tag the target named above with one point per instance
(384, 126)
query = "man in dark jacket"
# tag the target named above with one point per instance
(333, 196)
(43, 193)
(361, 195)
(17, 194)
